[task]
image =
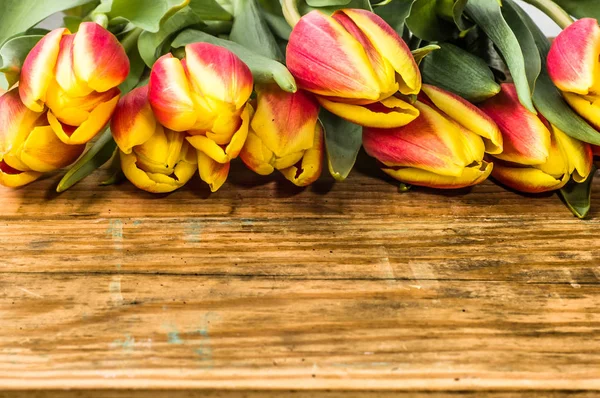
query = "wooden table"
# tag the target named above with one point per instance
(342, 289)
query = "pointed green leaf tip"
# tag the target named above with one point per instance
(100, 152)
(578, 196)
(343, 140)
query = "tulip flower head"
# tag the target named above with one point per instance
(28, 145)
(356, 64)
(443, 148)
(537, 156)
(153, 157)
(574, 67)
(285, 134)
(206, 95)
(76, 77)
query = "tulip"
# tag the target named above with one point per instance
(285, 134)
(574, 67)
(28, 145)
(153, 157)
(206, 95)
(537, 156)
(443, 148)
(76, 77)
(356, 64)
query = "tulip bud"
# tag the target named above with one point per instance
(443, 148)
(574, 67)
(285, 134)
(28, 145)
(153, 157)
(355, 63)
(537, 156)
(76, 77)
(205, 95)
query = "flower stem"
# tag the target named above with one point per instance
(554, 11)
(290, 11)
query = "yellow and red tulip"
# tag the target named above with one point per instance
(28, 145)
(206, 95)
(285, 134)
(443, 148)
(153, 157)
(574, 67)
(356, 64)
(537, 156)
(76, 77)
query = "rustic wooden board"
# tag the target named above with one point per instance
(337, 290)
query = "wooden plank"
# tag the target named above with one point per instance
(336, 290)
(200, 332)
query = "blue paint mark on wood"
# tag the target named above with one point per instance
(193, 230)
(173, 337)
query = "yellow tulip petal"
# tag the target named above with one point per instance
(557, 163)
(43, 151)
(12, 178)
(467, 115)
(285, 122)
(587, 106)
(256, 156)
(528, 179)
(579, 155)
(38, 70)
(16, 121)
(389, 113)
(472, 175)
(133, 122)
(211, 172)
(393, 48)
(97, 120)
(312, 163)
(156, 182)
(161, 152)
(326, 59)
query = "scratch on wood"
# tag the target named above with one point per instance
(424, 274)
(29, 292)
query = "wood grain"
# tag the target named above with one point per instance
(347, 289)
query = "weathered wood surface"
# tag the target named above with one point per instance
(339, 287)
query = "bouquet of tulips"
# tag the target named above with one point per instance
(440, 93)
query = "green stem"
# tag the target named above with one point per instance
(554, 11)
(100, 19)
(290, 11)
(131, 38)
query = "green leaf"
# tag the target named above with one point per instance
(263, 69)
(459, 72)
(19, 15)
(578, 196)
(362, 4)
(420, 53)
(13, 53)
(250, 29)
(136, 69)
(148, 15)
(343, 140)
(395, 13)
(581, 8)
(327, 3)
(426, 24)
(210, 10)
(547, 98)
(278, 25)
(533, 63)
(72, 22)
(151, 45)
(99, 153)
(488, 16)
